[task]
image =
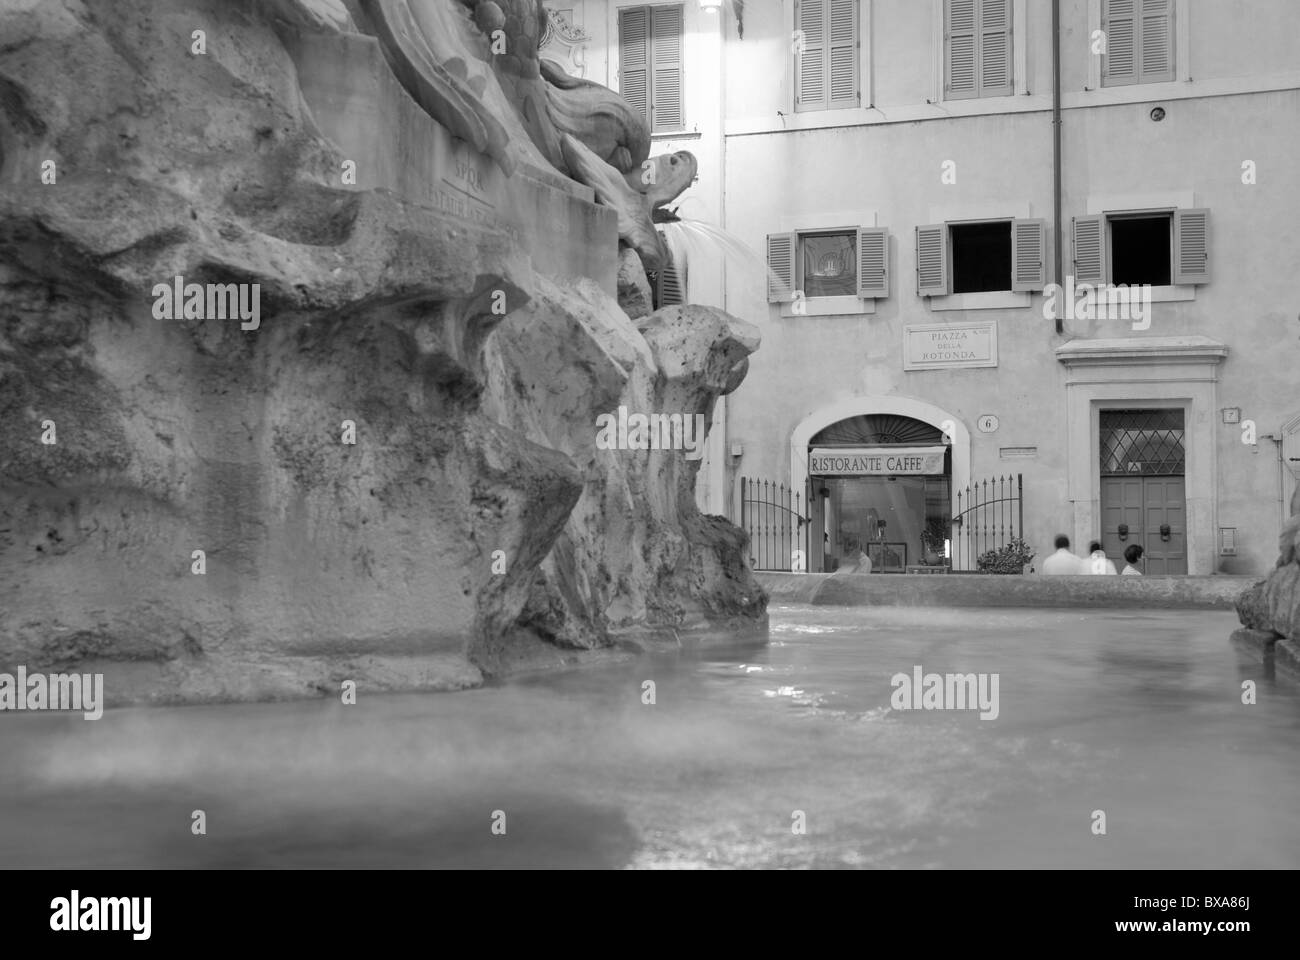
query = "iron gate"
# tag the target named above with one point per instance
(990, 513)
(775, 520)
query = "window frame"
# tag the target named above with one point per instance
(1152, 89)
(1013, 61)
(1009, 299)
(952, 260)
(799, 278)
(865, 90)
(1112, 215)
(1105, 79)
(1145, 203)
(850, 305)
(616, 10)
(1019, 59)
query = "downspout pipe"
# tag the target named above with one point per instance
(1056, 154)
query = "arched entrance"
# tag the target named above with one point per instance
(880, 478)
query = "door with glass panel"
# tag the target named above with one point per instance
(1143, 490)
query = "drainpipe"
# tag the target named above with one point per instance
(1056, 153)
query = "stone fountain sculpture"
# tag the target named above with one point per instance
(393, 478)
(446, 52)
(1270, 610)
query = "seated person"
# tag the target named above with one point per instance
(1097, 561)
(1063, 561)
(1132, 554)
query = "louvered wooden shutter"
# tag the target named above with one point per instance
(843, 53)
(1089, 235)
(1119, 23)
(1028, 254)
(873, 262)
(669, 286)
(666, 67)
(977, 48)
(1191, 246)
(995, 48)
(1156, 41)
(634, 58)
(932, 260)
(961, 48)
(810, 71)
(1139, 41)
(780, 267)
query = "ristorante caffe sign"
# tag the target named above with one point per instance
(875, 461)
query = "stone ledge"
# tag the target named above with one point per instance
(1194, 349)
(1031, 590)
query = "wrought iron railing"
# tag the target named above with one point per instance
(776, 521)
(990, 513)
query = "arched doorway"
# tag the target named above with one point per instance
(881, 488)
(880, 474)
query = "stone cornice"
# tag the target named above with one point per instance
(1142, 350)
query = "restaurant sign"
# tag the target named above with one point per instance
(875, 461)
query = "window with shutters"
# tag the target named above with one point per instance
(826, 55)
(1156, 247)
(650, 64)
(834, 267)
(828, 264)
(985, 256)
(667, 285)
(977, 49)
(1139, 41)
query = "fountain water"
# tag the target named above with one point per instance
(699, 241)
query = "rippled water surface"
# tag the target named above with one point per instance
(1138, 714)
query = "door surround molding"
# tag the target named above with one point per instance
(1144, 372)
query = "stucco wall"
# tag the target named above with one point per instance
(882, 164)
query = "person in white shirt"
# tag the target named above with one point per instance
(1063, 562)
(1098, 562)
(1132, 554)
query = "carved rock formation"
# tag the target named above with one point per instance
(468, 62)
(323, 561)
(634, 296)
(584, 109)
(1270, 609)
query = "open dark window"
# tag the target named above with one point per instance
(981, 256)
(1140, 249)
(1158, 247)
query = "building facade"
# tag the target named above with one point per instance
(1095, 338)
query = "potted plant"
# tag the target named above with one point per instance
(1010, 558)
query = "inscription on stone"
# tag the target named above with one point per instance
(929, 346)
